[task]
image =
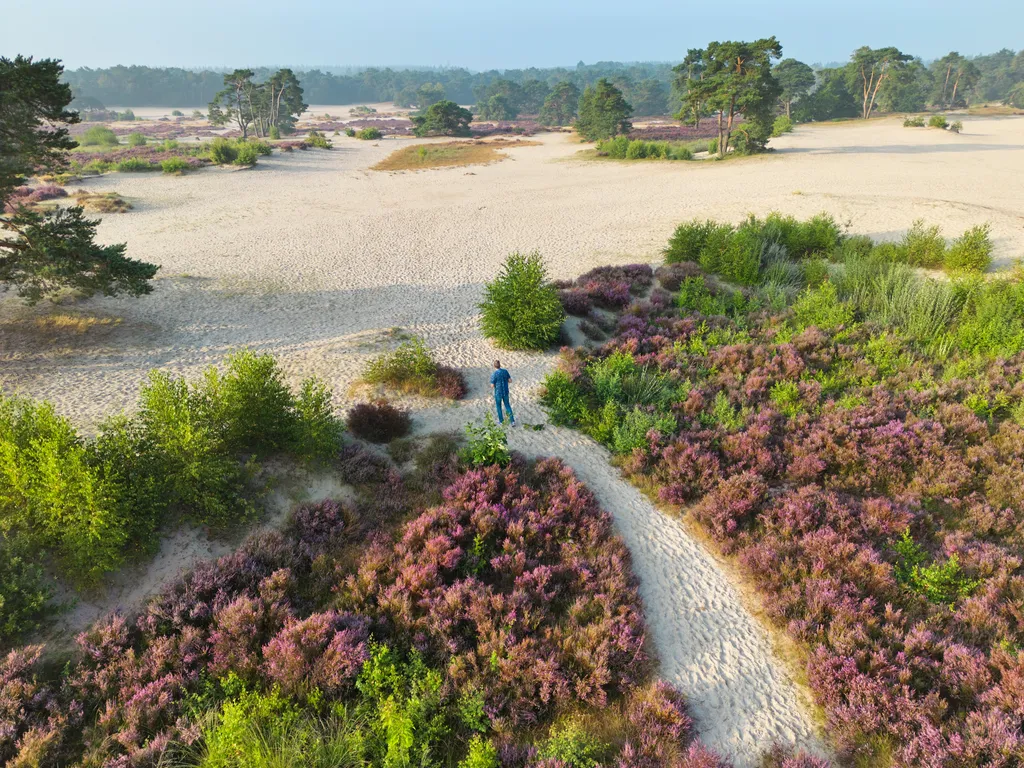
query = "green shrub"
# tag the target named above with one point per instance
(821, 307)
(222, 151)
(177, 113)
(481, 754)
(98, 166)
(631, 431)
(98, 135)
(937, 121)
(23, 595)
(203, 478)
(409, 368)
(956, 127)
(275, 133)
(252, 404)
(369, 134)
(713, 147)
(569, 742)
(786, 396)
(135, 164)
(688, 241)
(263, 148)
(941, 583)
(246, 154)
(174, 165)
(914, 122)
(169, 145)
(350, 132)
(53, 496)
(487, 444)
(136, 139)
(923, 246)
(318, 140)
(821, 234)
(319, 430)
(971, 251)
(563, 399)
(740, 261)
(782, 125)
(521, 308)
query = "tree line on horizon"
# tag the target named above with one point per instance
(652, 88)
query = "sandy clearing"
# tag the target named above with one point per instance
(313, 257)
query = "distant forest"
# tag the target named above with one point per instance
(651, 87)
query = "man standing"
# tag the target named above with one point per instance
(499, 383)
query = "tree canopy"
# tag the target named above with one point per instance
(869, 68)
(445, 118)
(796, 78)
(45, 252)
(561, 104)
(275, 103)
(736, 77)
(603, 112)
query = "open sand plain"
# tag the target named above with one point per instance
(314, 257)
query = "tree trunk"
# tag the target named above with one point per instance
(789, 106)
(721, 133)
(723, 147)
(956, 84)
(949, 69)
(878, 84)
(867, 89)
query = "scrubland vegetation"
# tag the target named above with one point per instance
(474, 611)
(455, 153)
(410, 368)
(851, 432)
(191, 452)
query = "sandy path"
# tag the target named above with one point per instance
(742, 698)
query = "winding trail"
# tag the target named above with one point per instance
(742, 697)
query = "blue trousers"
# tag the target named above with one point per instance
(499, 399)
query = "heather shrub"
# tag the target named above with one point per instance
(671, 276)
(359, 466)
(378, 422)
(575, 302)
(175, 165)
(136, 139)
(937, 121)
(487, 444)
(450, 382)
(972, 251)
(521, 309)
(98, 135)
(369, 134)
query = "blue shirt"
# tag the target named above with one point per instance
(500, 379)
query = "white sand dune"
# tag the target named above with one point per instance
(314, 257)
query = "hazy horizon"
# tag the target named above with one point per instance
(532, 34)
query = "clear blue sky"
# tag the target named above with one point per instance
(485, 35)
